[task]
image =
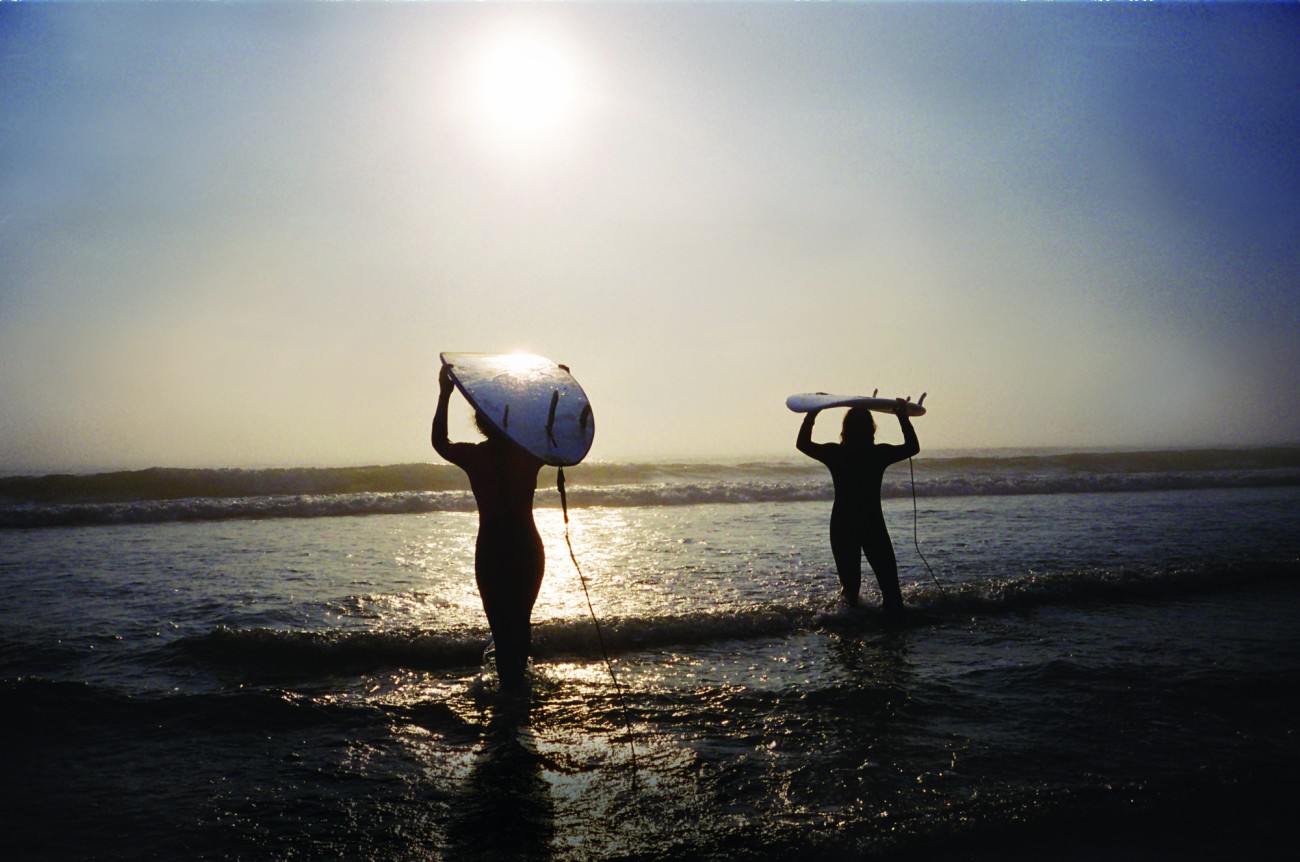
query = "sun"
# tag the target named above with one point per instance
(528, 89)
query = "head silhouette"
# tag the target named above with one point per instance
(859, 428)
(484, 426)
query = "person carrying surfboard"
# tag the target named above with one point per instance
(509, 558)
(857, 465)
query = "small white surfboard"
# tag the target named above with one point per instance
(530, 399)
(809, 401)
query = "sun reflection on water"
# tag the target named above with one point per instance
(596, 536)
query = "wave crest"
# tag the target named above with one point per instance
(163, 495)
(263, 653)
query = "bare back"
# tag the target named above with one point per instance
(502, 476)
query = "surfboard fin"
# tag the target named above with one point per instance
(875, 392)
(922, 401)
(505, 418)
(584, 417)
(550, 418)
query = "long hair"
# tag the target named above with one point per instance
(484, 426)
(859, 427)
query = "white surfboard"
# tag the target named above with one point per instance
(530, 399)
(809, 401)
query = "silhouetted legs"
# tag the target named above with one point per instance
(881, 558)
(848, 546)
(848, 562)
(508, 568)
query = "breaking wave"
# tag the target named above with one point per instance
(266, 653)
(161, 495)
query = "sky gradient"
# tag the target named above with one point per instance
(241, 235)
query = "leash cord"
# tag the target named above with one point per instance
(916, 542)
(600, 635)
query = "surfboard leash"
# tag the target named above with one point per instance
(916, 542)
(600, 635)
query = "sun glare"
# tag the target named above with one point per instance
(527, 90)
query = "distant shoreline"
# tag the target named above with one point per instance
(995, 452)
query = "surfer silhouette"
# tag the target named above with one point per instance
(857, 464)
(509, 558)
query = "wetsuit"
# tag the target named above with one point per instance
(857, 522)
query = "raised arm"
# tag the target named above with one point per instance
(911, 445)
(441, 444)
(804, 441)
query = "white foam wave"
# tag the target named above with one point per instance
(681, 486)
(265, 651)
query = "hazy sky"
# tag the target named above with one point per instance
(241, 235)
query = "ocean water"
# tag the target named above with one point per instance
(1101, 662)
